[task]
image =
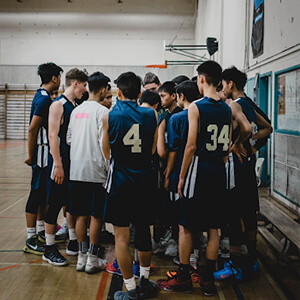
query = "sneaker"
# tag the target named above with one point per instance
(132, 294)
(34, 246)
(81, 262)
(209, 288)
(94, 264)
(228, 271)
(166, 238)
(62, 234)
(175, 284)
(172, 248)
(194, 260)
(176, 260)
(107, 237)
(255, 268)
(224, 248)
(147, 288)
(53, 256)
(113, 268)
(41, 236)
(194, 274)
(136, 269)
(203, 243)
(157, 247)
(72, 248)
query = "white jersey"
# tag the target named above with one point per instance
(85, 133)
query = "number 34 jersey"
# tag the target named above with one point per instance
(131, 135)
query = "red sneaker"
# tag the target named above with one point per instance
(175, 284)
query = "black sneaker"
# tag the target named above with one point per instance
(209, 288)
(147, 288)
(72, 248)
(34, 246)
(129, 295)
(53, 256)
(41, 236)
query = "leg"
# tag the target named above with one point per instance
(185, 245)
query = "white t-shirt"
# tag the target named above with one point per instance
(85, 133)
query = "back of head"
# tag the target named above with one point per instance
(129, 84)
(212, 71)
(179, 79)
(47, 71)
(150, 97)
(168, 87)
(238, 77)
(189, 89)
(150, 78)
(97, 81)
(76, 74)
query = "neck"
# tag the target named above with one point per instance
(210, 91)
(237, 94)
(48, 87)
(94, 97)
(172, 107)
(69, 94)
(186, 104)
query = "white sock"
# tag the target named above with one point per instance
(65, 222)
(88, 232)
(130, 284)
(196, 252)
(144, 271)
(31, 231)
(40, 225)
(72, 234)
(50, 239)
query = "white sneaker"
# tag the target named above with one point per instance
(166, 238)
(157, 247)
(224, 247)
(94, 264)
(172, 248)
(63, 230)
(203, 243)
(194, 260)
(81, 262)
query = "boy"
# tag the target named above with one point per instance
(59, 116)
(88, 172)
(130, 135)
(38, 153)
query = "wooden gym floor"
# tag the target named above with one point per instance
(26, 276)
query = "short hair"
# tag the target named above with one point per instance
(129, 84)
(97, 81)
(168, 87)
(108, 87)
(179, 79)
(47, 70)
(76, 74)
(189, 89)
(150, 78)
(150, 97)
(235, 75)
(195, 78)
(212, 71)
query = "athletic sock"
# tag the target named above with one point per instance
(184, 272)
(130, 284)
(50, 239)
(83, 247)
(31, 231)
(40, 225)
(144, 271)
(93, 249)
(252, 252)
(72, 234)
(65, 222)
(209, 270)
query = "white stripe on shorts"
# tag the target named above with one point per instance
(109, 177)
(190, 183)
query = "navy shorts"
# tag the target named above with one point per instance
(85, 199)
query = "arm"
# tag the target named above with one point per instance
(105, 139)
(55, 115)
(191, 146)
(33, 131)
(264, 128)
(69, 132)
(155, 135)
(161, 145)
(171, 161)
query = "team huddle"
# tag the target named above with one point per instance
(178, 156)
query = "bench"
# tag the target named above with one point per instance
(283, 223)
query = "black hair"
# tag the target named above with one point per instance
(84, 97)
(150, 97)
(212, 72)
(195, 78)
(47, 70)
(238, 77)
(189, 89)
(97, 81)
(129, 84)
(168, 87)
(150, 78)
(179, 79)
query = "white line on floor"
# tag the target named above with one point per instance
(15, 203)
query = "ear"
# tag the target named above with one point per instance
(231, 84)
(174, 96)
(119, 93)
(140, 94)
(54, 79)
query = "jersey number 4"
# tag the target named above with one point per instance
(223, 137)
(132, 137)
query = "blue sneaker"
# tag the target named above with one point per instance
(255, 268)
(113, 268)
(136, 269)
(228, 271)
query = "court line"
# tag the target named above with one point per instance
(12, 205)
(102, 285)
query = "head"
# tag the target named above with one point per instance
(50, 74)
(77, 81)
(129, 86)
(98, 84)
(233, 80)
(179, 79)
(54, 94)
(209, 74)
(220, 91)
(167, 94)
(151, 82)
(187, 91)
(83, 98)
(150, 97)
(107, 101)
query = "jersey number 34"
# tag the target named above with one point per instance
(132, 137)
(223, 137)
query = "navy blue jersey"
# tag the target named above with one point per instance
(68, 108)
(215, 122)
(131, 135)
(177, 137)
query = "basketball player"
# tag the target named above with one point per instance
(38, 152)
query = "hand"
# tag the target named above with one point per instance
(180, 187)
(59, 174)
(28, 161)
(166, 183)
(239, 150)
(254, 150)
